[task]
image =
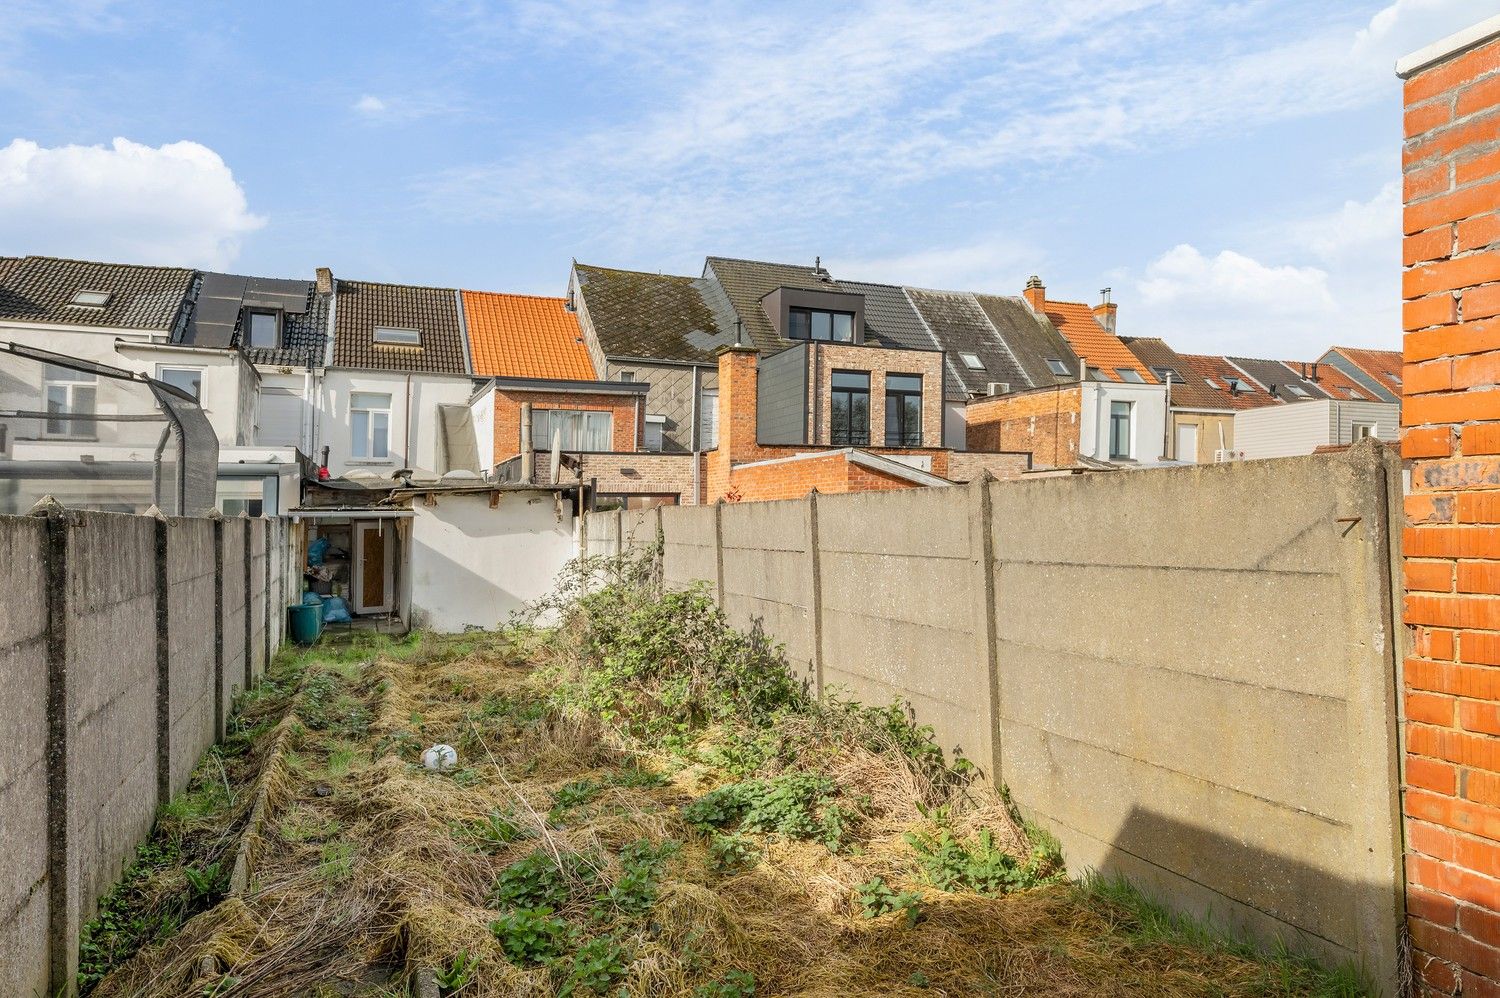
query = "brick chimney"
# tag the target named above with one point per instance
(738, 383)
(1035, 294)
(325, 281)
(1104, 312)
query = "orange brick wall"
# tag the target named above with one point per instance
(1451, 417)
(831, 473)
(1044, 424)
(626, 429)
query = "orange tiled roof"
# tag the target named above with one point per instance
(1333, 381)
(1215, 370)
(1102, 348)
(525, 336)
(1382, 365)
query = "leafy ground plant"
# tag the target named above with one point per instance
(876, 898)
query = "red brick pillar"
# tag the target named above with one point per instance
(1451, 419)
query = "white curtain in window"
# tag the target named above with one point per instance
(581, 431)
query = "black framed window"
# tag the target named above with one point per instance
(1119, 429)
(817, 324)
(903, 410)
(851, 409)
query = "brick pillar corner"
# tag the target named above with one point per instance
(1450, 293)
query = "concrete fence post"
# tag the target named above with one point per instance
(619, 531)
(249, 547)
(981, 535)
(60, 930)
(815, 590)
(719, 552)
(659, 558)
(269, 561)
(218, 625)
(163, 671)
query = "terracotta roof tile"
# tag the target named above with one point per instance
(1189, 390)
(1218, 370)
(1383, 366)
(1101, 348)
(525, 336)
(1333, 381)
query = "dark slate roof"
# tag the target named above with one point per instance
(890, 319)
(746, 282)
(1276, 376)
(217, 318)
(1189, 390)
(961, 326)
(40, 288)
(652, 316)
(363, 305)
(1032, 338)
(7, 264)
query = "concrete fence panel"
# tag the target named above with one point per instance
(603, 534)
(110, 679)
(690, 553)
(1196, 690)
(23, 764)
(190, 643)
(258, 583)
(903, 611)
(637, 529)
(768, 579)
(236, 642)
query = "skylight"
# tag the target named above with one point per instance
(1097, 373)
(972, 361)
(91, 299)
(1393, 376)
(1211, 384)
(1130, 375)
(1237, 384)
(1298, 392)
(1166, 372)
(397, 336)
(1058, 368)
(1353, 394)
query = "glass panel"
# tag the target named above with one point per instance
(360, 423)
(904, 383)
(369, 400)
(57, 402)
(843, 327)
(83, 402)
(393, 334)
(797, 325)
(53, 372)
(186, 379)
(851, 379)
(541, 429)
(380, 445)
(262, 329)
(912, 435)
(708, 421)
(598, 431)
(822, 326)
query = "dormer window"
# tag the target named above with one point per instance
(91, 299)
(263, 330)
(820, 325)
(397, 336)
(972, 361)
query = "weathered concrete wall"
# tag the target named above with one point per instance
(110, 621)
(1197, 691)
(768, 576)
(107, 662)
(1186, 686)
(190, 643)
(235, 532)
(23, 764)
(259, 566)
(689, 552)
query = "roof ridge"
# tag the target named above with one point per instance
(393, 284)
(766, 263)
(106, 263)
(643, 273)
(514, 294)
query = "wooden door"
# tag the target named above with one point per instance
(374, 548)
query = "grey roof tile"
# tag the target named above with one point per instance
(1032, 338)
(961, 327)
(653, 316)
(41, 289)
(363, 305)
(1279, 379)
(746, 282)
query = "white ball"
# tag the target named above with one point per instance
(440, 758)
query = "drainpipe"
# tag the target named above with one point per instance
(528, 454)
(406, 458)
(693, 435)
(1167, 441)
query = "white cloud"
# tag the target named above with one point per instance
(369, 104)
(997, 265)
(1184, 277)
(174, 204)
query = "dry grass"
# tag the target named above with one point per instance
(367, 871)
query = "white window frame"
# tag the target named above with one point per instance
(1371, 430)
(162, 369)
(364, 449)
(972, 361)
(708, 419)
(102, 297)
(76, 380)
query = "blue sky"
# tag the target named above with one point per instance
(1231, 170)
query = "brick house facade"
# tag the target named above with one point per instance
(1451, 419)
(1043, 423)
(627, 427)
